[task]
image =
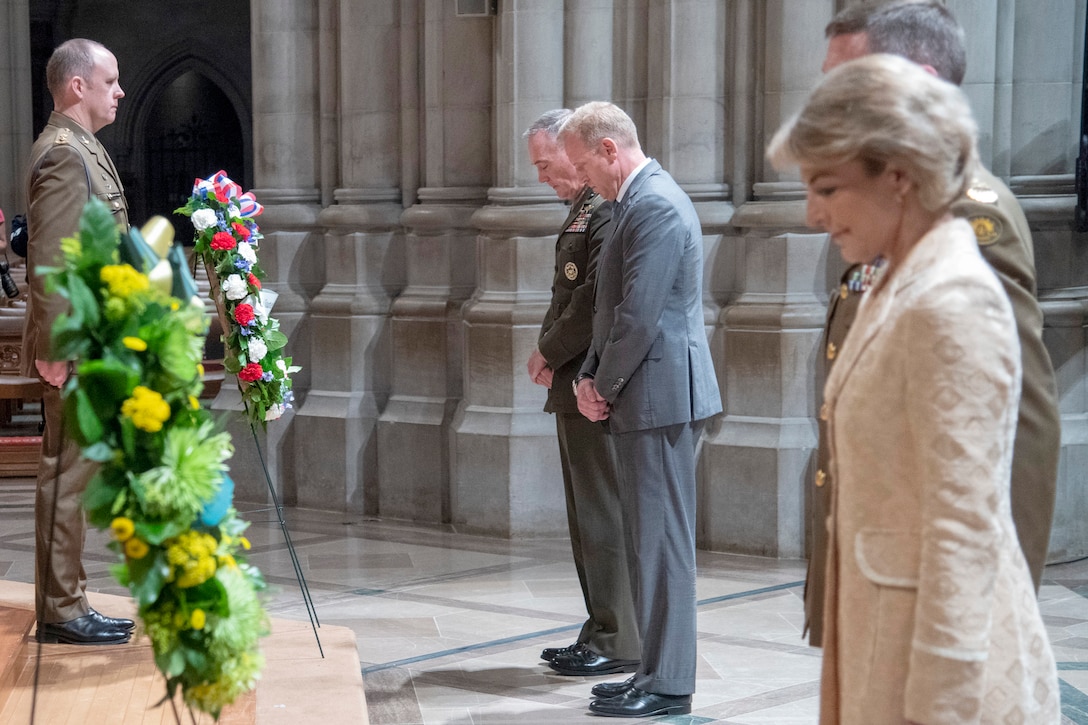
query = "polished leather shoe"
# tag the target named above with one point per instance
(639, 703)
(550, 653)
(582, 661)
(611, 689)
(113, 622)
(84, 630)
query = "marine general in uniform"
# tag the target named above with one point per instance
(608, 641)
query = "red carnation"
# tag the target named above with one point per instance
(253, 281)
(241, 229)
(243, 314)
(223, 241)
(251, 372)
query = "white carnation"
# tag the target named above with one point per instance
(204, 218)
(257, 349)
(275, 411)
(245, 251)
(235, 288)
(233, 212)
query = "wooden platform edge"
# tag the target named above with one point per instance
(297, 685)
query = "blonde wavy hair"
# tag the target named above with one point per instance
(880, 109)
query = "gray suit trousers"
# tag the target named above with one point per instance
(657, 488)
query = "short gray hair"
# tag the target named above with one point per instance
(549, 122)
(924, 31)
(71, 58)
(595, 121)
(882, 108)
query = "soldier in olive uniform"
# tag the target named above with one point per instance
(608, 642)
(68, 166)
(927, 33)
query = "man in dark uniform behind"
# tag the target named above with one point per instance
(67, 167)
(608, 642)
(927, 33)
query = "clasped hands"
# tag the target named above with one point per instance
(590, 402)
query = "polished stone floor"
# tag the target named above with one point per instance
(450, 626)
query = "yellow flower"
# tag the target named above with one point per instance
(200, 370)
(134, 343)
(245, 542)
(227, 561)
(123, 279)
(136, 548)
(123, 528)
(198, 619)
(194, 403)
(147, 409)
(192, 558)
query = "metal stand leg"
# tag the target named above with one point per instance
(306, 598)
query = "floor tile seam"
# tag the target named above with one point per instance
(763, 701)
(523, 637)
(464, 682)
(1074, 703)
(732, 640)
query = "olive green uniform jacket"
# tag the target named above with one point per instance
(67, 167)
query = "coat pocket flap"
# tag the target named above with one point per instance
(888, 557)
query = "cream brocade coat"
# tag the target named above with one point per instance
(930, 612)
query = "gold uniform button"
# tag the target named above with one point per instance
(821, 478)
(825, 412)
(831, 351)
(844, 292)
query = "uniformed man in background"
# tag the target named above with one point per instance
(68, 166)
(927, 33)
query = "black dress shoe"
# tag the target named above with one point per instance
(611, 689)
(113, 622)
(582, 661)
(84, 630)
(550, 653)
(639, 703)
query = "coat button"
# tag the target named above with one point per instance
(844, 291)
(831, 351)
(821, 478)
(825, 412)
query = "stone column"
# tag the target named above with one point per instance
(587, 53)
(286, 107)
(16, 132)
(756, 463)
(337, 456)
(505, 464)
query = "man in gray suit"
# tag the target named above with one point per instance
(648, 372)
(608, 641)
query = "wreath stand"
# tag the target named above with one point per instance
(216, 294)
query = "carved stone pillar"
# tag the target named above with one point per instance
(286, 112)
(16, 131)
(756, 460)
(505, 461)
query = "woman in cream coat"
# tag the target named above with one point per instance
(930, 612)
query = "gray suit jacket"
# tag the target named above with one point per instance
(649, 356)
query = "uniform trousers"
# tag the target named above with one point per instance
(59, 579)
(657, 488)
(595, 520)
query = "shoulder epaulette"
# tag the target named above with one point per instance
(981, 192)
